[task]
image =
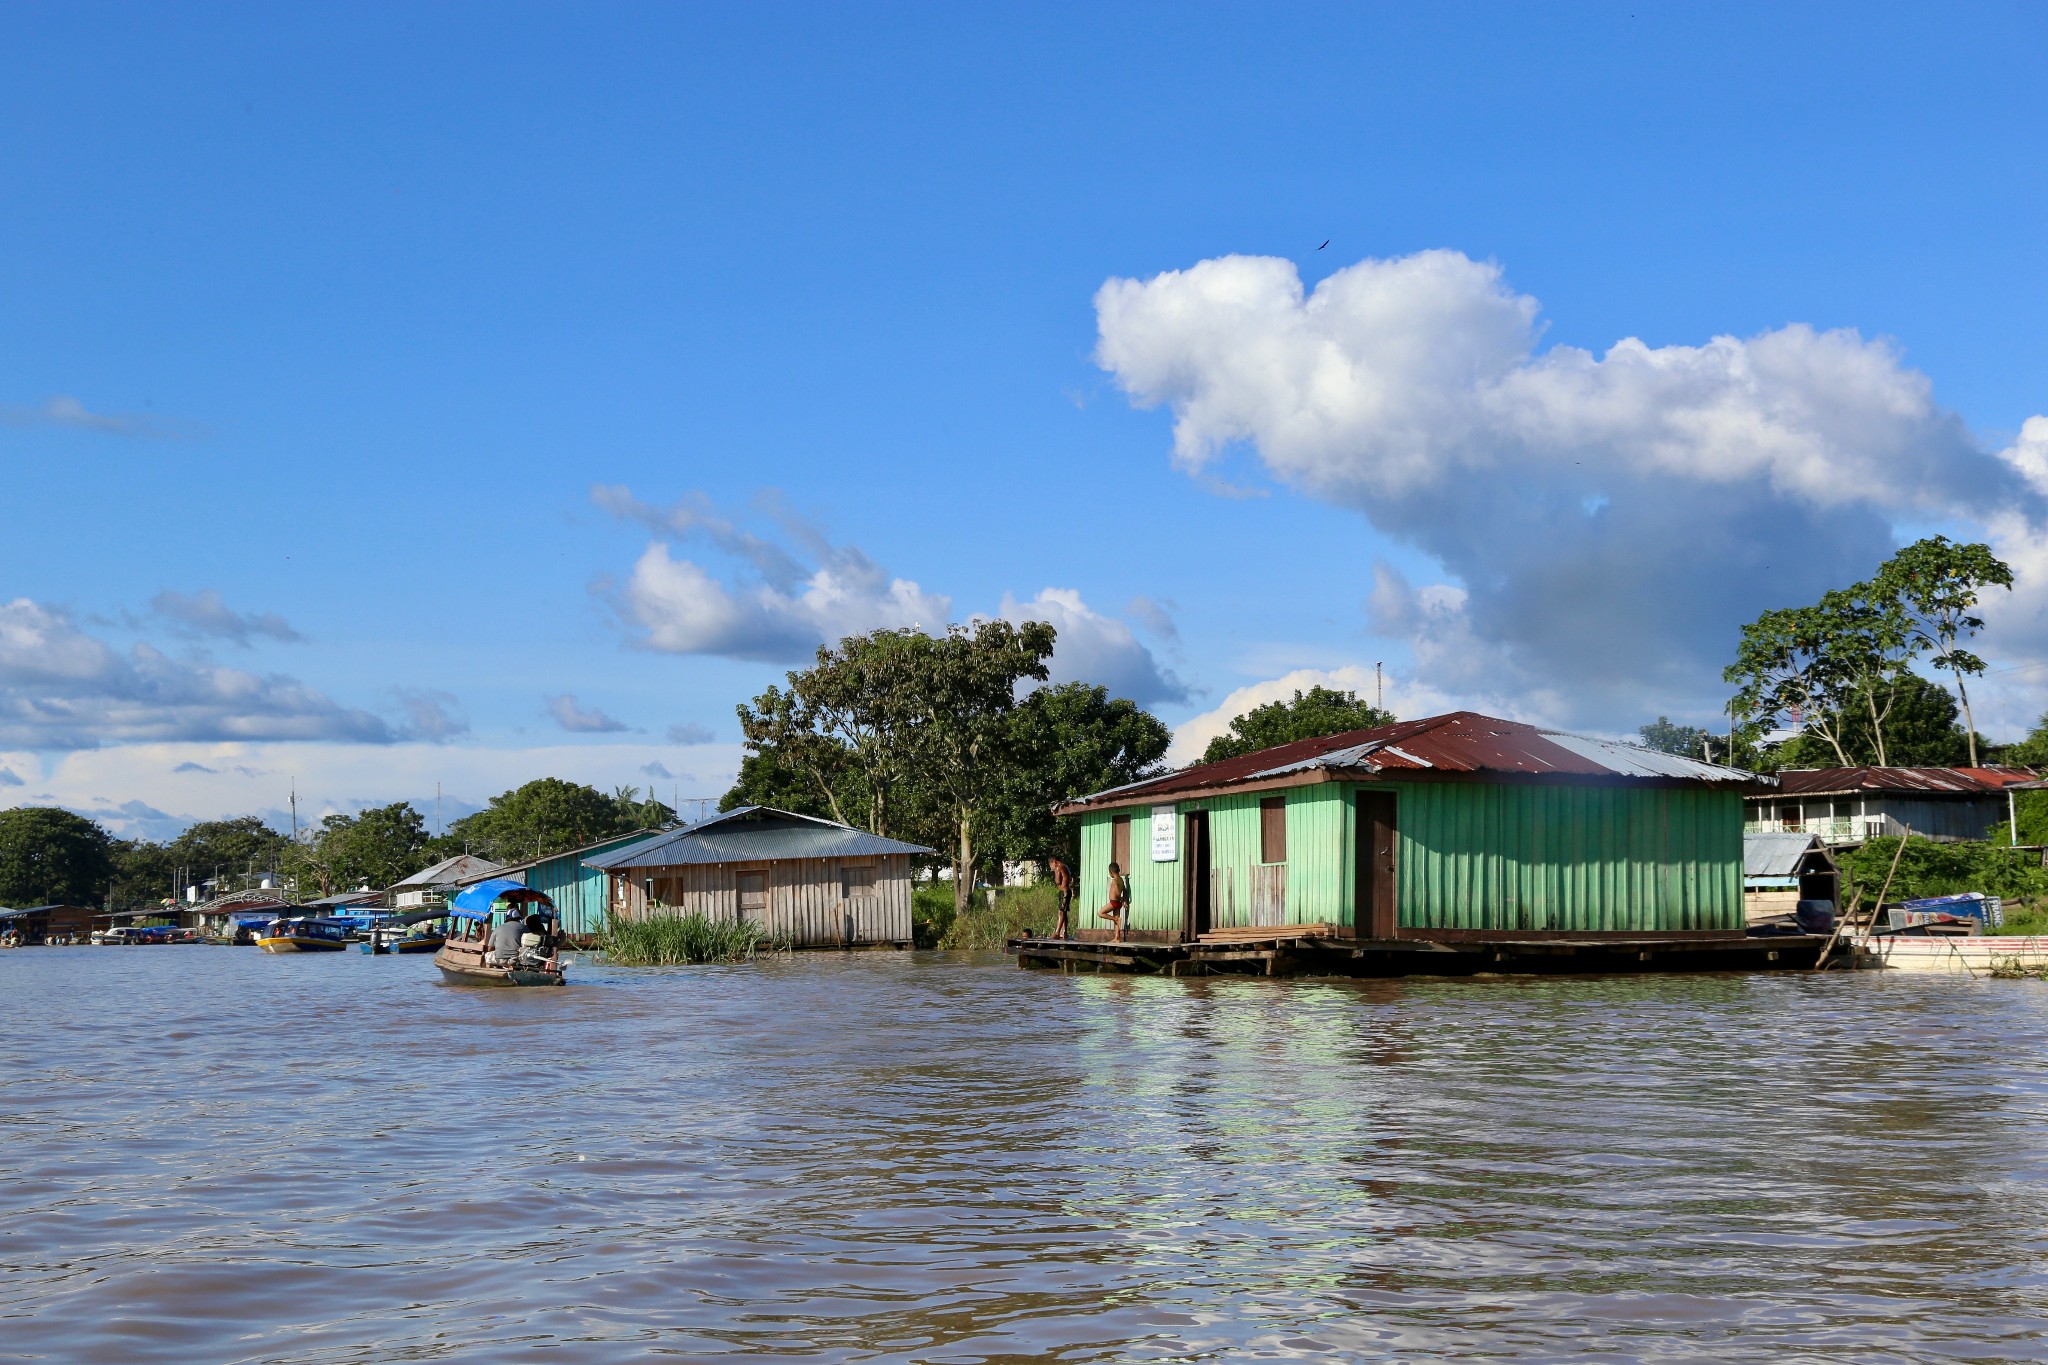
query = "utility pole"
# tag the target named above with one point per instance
(1379, 690)
(437, 810)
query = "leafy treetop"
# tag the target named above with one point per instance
(1307, 715)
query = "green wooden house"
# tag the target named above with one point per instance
(1456, 827)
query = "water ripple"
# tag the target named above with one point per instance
(215, 1155)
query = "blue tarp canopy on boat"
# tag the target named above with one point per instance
(474, 902)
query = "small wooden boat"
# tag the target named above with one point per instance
(308, 934)
(468, 957)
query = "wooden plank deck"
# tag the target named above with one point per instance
(1291, 950)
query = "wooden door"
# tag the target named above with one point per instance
(1196, 915)
(1373, 909)
(753, 897)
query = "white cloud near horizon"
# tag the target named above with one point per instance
(1608, 522)
(63, 689)
(805, 590)
(154, 790)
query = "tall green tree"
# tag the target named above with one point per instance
(50, 856)
(963, 686)
(1068, 740)
(1686, 741)
(240, 845)
(548, 816)
(373, 847)
(846, 725)
(1307, 715)
(1936, 584)
(1814, 667)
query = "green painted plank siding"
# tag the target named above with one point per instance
(1472, 855)
(1591, 859)
(1155, 887)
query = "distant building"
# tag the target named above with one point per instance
(1854, 805)
(427, 886)
(42, 923)
(815, 883)
(1459, 827)
(1780, 870)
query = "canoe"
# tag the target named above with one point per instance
(1959, 955)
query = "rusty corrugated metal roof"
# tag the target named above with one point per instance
(1985, 781)
(1460, 742)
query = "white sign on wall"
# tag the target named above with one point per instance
(1163, 825)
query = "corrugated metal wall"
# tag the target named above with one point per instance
(806, 898)
(577, 891)
(1597, 859)
(1472, 855)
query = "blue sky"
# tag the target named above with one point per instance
(321, 328)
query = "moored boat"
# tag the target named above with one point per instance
(304, 934)
(417, 931)
(505, 934)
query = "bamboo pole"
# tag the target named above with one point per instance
(1876, 906)
(1897, 854)
(1836, 932)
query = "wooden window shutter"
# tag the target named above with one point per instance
(1120, 842)
(1273, 830)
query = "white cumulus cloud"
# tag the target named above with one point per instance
(784, 604)
(63, 689)
(1608, 521)
(1092, 648)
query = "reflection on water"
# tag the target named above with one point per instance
(214, 1155)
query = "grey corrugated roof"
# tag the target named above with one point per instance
(1774, 855)
(448, 871)
(752, 834)
(602, 844)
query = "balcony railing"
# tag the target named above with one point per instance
(1846, 830)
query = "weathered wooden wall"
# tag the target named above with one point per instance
(806, 903)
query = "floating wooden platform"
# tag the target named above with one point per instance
(1308, 950)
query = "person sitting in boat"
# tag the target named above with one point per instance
(505, 938)
(534, 941)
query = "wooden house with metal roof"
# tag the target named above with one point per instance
(578, 891)
(810, 882)
(1853, 805)
(1454, 828)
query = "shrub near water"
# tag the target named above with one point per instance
(1020, 912)
(668, 940)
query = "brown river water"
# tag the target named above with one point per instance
(212, 1155)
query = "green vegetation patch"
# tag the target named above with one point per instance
(1019, 912)
(1926, 868)
(680, 940)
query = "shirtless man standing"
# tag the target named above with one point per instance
(1063, 881)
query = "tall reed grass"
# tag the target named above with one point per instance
(671, 940)
(1019, 912)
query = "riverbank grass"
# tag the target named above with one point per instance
(1019, 912)
(671, 940)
